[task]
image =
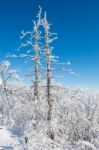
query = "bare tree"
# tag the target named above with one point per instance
(49, 59)
(31, 43)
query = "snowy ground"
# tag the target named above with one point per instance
(9, 141)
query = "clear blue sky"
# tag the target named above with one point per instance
(77, 25)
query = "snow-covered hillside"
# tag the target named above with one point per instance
(74, 122)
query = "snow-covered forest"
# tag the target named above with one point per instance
(44, 114)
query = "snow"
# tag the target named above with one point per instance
(8, 141)
(84, 145)
(0, 81)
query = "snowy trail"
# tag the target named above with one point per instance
(8, 141)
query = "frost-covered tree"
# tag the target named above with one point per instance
(49, 58)
(31, 46)
(7, 75)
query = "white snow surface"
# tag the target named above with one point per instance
(8, 141)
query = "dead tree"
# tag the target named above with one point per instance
(36, 60)
(31, 44)
(49, 59)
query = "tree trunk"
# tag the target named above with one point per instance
(48, 77)
(36, 83)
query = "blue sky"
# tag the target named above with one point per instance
(77, 25)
